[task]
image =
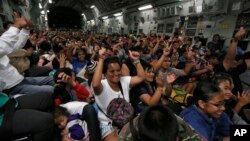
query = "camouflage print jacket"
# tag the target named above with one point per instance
(186, 132)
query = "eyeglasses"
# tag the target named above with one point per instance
(220, 104)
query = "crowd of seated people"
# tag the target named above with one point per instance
(58, 85)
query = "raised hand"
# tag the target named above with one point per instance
(244, 98)
(134, 55)
(66, 79)
(166, 51)
(162, 37)
(62, 59)
(240, 33)
(102, 53)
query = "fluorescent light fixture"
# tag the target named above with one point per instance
(117, 14)
(42, 12)
(145, 7)
(50, 1)
(92, 6)
(48, 11)
(83, 15)
(40, 6)
(105, 17)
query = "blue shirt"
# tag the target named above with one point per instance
(208, 127)
(77, 66)
(75, 127)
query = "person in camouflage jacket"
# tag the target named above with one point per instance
(185, 131)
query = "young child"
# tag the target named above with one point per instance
(72, 126)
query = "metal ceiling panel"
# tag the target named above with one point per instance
(83, 6)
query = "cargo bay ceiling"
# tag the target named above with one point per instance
(65, 12)
(83, 6)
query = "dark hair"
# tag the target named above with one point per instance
(216, 35)
(212, 56)
(60, 91)
(45, 46)
(205, 91)
(175, 42)
(136, 48)
(176, 33)
(57, 48)
(55, 64)
(67, 71)
(60, 111)
(6, 24)
(147, 66)
(246, 55)
(159, 53)
(196, 37)
(109, 61)
(219, 77)
(78, 51)
(28, 45)
(167, 37)
(157, 123)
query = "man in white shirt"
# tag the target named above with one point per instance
(14, 38)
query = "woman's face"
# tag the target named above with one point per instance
(113, 72)
(226, 88)
(213, 107)
(176, 45)
(166, 63)
(175, 55)
(149, 75)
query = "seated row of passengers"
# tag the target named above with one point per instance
(89, 68)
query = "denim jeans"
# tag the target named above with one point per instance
(34, 85)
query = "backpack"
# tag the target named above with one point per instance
(179, 96)
(119, 111)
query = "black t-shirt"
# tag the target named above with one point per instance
(214, 46)
(135, 94)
